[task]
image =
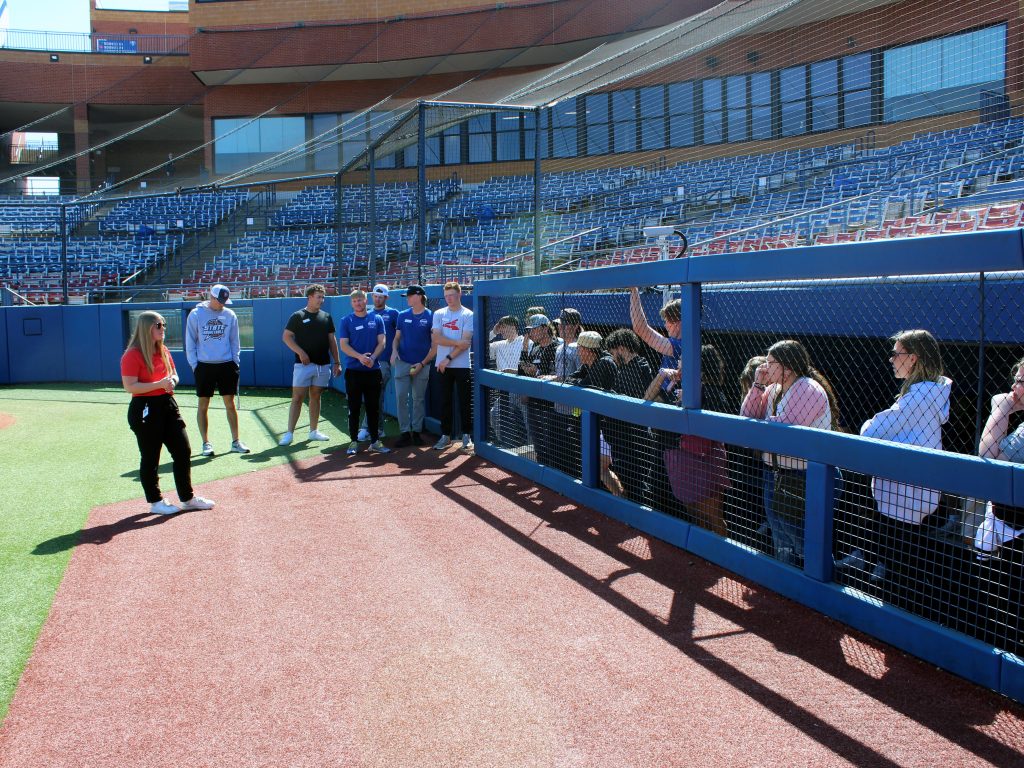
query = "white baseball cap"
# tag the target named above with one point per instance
(380, 289)
(221, 293)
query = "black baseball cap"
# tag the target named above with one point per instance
(415, 290)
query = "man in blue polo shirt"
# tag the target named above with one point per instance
(389, 317)
(411, 354)
(361, 339)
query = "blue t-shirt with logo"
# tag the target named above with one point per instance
(677, 354)
(389, 317)
(361, 333)
(415, 342)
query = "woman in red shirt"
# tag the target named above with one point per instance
(148, 374)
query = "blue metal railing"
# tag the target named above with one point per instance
(96, 42)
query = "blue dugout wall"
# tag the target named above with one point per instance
(813, 586)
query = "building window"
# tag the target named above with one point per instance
(825, 95)
(652, 117)
(598, 124)
(510, 136)
(681, 112)
(736, 104)
(953, 71)
(857, 90)
(761, 106)
(793, 100)
(481, 138)
(624, 122)
(711, 95)
(242, 142)
(564, 137)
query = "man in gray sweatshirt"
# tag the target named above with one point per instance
(213, 351)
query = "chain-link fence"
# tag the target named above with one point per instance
(927, 361)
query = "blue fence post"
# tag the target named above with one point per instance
(479, 349)
(690, 378)
(818, 515)
(590, 447)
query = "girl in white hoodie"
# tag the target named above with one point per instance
(916, 418)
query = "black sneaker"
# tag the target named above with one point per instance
(404, 441)
(417, 438)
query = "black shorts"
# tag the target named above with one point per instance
(216, 377)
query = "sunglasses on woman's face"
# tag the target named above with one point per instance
(159, 325)
(894, 354)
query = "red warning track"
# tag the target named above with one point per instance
(423, 613)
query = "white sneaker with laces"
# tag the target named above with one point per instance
(467, 443)
(316, 434)
(237, 446)
(207, 449)
(443, 443)
(363, 436)
(286, 439)
(163, 507)
(379, 447)
(196, 503)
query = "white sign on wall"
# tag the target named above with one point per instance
(143, 5)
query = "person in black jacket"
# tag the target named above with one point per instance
(630, 444)
(538, 361)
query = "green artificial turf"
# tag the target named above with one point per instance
(70, 449)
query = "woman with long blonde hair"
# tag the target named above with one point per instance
(149, 376)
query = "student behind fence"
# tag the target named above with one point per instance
(389, 317)
(362, 341)
(892, 532)
(148, 375)
(696, 467)
(788, 390)
(597, 371)
(538, 361)
(213, 351)
(671, 346)
(452, 334)
(744, 499)
(631, 445)
(997, 537)
(411, 354)
(505, 349)
(309, 333)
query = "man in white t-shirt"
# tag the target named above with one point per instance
(452, 332)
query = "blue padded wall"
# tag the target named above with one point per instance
(35, 343)
(82, 343)
(5, 368)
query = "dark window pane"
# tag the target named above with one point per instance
(736, 91)
(452, 150)
(325, 156)
(680, 98)
(857, 72)
(480, 124)
(712, 90)
(508, 145)
(761, 123)
(597, 139)
(433, 150)
(624, 105)
(794, 118)
(388, 161)
(480, 148)
(737, 125)
(793, 83)
(625, 137)
(712, 127)
(652, 133)
(825, 78)
(563, 114)
(761, 88)
(825, 113)
(597, 108)
(681, 130)
(858, 108)
(564, 142)
(652, 101)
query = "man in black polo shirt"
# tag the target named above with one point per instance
(310, 335)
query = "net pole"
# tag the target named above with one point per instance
(421, 184)
(64, 253)
(337, 229)
(537, 178)
(373, 214)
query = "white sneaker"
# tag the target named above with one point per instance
(207, 449)
(467, 443)
(237, 446)
(363, 436)
(854, 560)
(163, 507)
(443, 443)
(379, 447)
(316, 434)
(196, 503)
(286, 439)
